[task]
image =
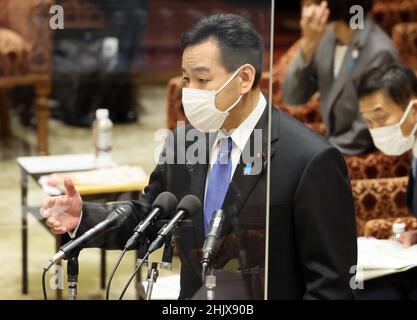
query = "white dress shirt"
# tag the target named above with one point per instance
(240, 136)
(339, 57)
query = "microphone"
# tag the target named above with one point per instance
(114, 220)
(189, 204)
(212, 238)
(72, 272)
(167, 255)
(163, 205)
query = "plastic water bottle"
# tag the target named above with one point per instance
(102, 136)
(397, 229)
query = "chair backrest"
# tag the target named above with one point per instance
(388, 13)
(377, 165)
(379, 199)
(83, 15)
(404, 36)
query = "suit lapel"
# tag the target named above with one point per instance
(242, 184)
(325, 60)
(349, 62)
(198, 173)
(412, 189)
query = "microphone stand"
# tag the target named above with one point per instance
(141, 253)
(209, 280)
(166, 264)
(72, 273)
(245, 270)
(152, 276)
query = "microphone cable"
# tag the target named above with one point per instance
(133, 275)
(119, 260)
(45, 297)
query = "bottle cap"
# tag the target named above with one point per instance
(102, 114)
(398, 227)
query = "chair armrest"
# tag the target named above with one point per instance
(14, 51)
(30, 19)
(382, 228)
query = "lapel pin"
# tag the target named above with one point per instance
(264, 162)
(355, 54)
(248, 169)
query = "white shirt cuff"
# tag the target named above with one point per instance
(74, 233)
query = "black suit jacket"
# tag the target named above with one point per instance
(411, 194)
(312, 238)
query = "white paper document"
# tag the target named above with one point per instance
(61, 163)
(111, 176)
(377, 258)
(385, 254)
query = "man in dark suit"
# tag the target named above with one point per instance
(333, 58)
(312, 233)
(388, 103)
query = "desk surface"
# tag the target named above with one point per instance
(61, 163)
(81, 169)
(113, 187)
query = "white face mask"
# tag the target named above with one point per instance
(390, 139)
(200, 107)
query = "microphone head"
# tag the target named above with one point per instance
(167, 202)
(120, 214)
(190, 203)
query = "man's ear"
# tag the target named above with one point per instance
(247, 74)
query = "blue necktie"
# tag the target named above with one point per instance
(218, 181)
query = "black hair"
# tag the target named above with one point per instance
(397, 81)
(239, 42)
(340, 9)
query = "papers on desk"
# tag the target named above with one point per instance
(60, 163)
(115, 175)
(113, 179)
(377, 258)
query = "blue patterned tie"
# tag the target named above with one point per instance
(218, 181)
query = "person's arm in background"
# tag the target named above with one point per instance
(300, 82)
(356, 140)
(325, 227)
